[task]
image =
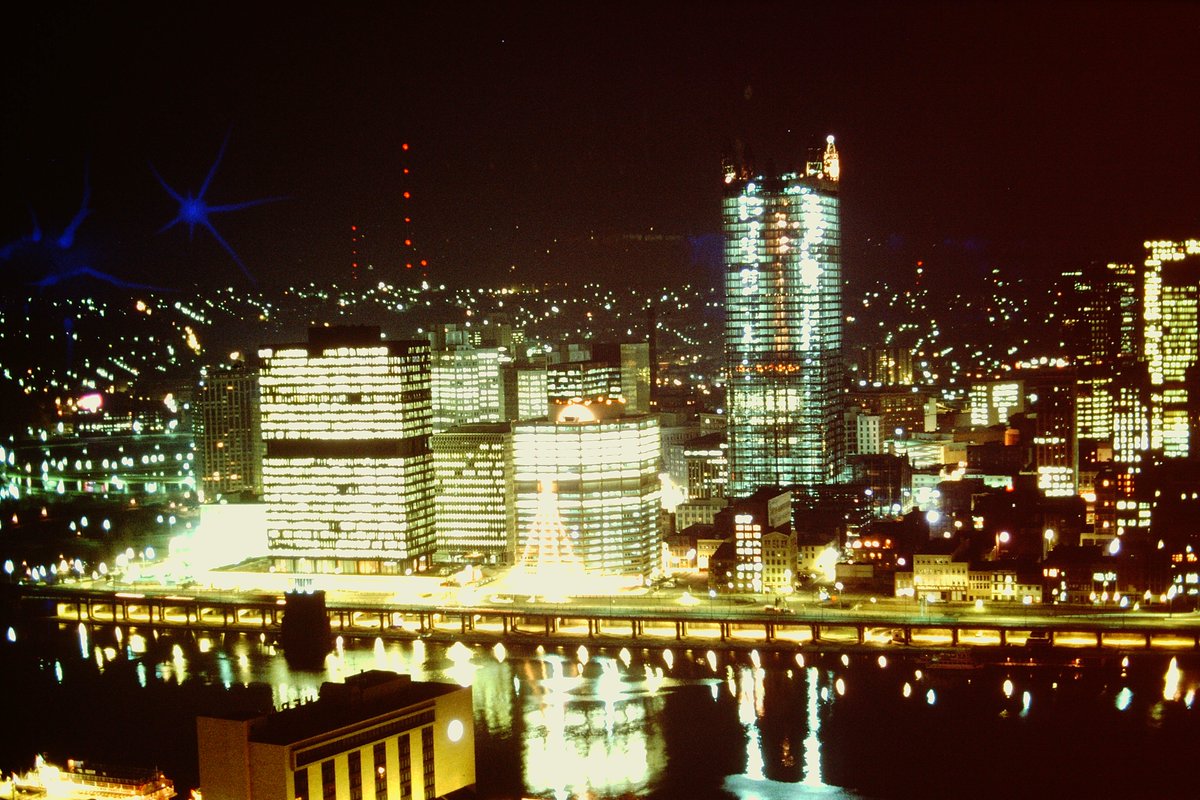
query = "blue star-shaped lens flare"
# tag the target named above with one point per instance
(195, 210)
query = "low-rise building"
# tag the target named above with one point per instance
(377, 735)
(779, 561)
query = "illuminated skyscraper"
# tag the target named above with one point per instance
(783, 326)
(348, 474)
(476, 515)
(228, 432)
(604, 470)
(532, 382)
(469, 385)
(1105, 313)
(1171, 343)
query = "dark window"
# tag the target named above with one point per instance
(354, 765)
(427, 759)
(300, 781)
(328, 780)
(405, 768)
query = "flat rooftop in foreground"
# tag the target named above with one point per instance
(363, 697)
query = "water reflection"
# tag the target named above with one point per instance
(602, 722)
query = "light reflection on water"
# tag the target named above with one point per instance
(592, 721)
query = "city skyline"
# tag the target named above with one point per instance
(978, 137)
(665, 393)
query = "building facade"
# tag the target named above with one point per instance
(475, 508)
(783, 329)
(604, 471)
(228, 431)
(1171, 338)
(348, 473)
(469, 385)
(378, 735)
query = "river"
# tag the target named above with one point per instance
(570, 722)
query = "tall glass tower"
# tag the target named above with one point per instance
(783, 326)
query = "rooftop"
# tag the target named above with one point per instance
(369, 694)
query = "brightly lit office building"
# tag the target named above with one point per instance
(476, 512)
(469, 385)
(604, 470)
(228, 432)
(348, 474)
(1171, 339)
(995, 402)
(532, 380)
(378, 735)
(783, 329)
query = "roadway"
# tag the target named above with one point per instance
(664, 614)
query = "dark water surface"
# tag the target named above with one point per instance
(679, 723)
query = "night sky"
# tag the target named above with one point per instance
(545, 137)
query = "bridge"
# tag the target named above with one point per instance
(649, 620)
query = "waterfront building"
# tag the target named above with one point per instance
(938, 576)
(475, 507)
(746, 522)
(779, 560)
(604, 470)
(228, 432)
(348, 474)
(378, 735)
(816, 555)
(783, 329)
(81, 780)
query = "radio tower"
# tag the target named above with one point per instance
(410, 254)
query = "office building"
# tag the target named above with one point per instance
(1055, 441)
(632, 360)
(378, 735)
(750, 520)
(584, 381)
(532, 386)
(469, 385)
(1102, 316)
(603, 468)
(1171, 338)
(348, 474)
(783, 329)
(674, 437)
(475, 507)
(228, 431)
(995, 402)
(898, 409)
(707, 459)
(885, 366)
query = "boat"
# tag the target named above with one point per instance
(80, 781)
